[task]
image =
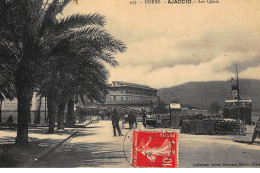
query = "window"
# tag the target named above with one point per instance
(126, 98)
(122, 98)
(114, 97)
(122, 92)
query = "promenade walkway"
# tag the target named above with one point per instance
(93, 146)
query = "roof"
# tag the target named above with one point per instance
(175, 106)
(121, 83)
(236, 100)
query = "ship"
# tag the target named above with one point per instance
(237, 107)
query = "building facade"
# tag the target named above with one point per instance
(124, 91)
(119, 94)
(131, 95)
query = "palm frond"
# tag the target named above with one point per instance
(7, 88)
(63, 4)
(98, 38)
(49, 16)
(103, 56)
(78, 20)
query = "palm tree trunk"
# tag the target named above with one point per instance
(70, 121)
(52, 111)
(24, 79)
(38, 113)
(1, 101)
(61, 113)
(24, 97)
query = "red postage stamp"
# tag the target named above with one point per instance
(155, 149)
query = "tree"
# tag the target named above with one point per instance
(161, 108)
(86, 79)
(70, 121)
(76, 56)
(30, 34)
(13, 49)
(214, 108)
(21, 35)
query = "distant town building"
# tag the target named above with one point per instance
(119, 94)
(131, 95)
(120, 91)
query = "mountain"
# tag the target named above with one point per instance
(202, 94)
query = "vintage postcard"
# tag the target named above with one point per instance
(129, 84)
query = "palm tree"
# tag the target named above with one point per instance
(81, 48)
(84, 77)
(90, 81)
(31, 37)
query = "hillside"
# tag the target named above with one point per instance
(202, 94)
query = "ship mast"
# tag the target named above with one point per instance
(238, 95)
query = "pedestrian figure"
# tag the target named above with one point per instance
(256, 131)
(115, 123)
(144, 117)
(102, 116)
(132, 120)
(108, 113)
(10, 119)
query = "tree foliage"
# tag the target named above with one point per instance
(79, 47)
(214, 108)
(58, 57)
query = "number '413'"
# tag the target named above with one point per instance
(132, 2)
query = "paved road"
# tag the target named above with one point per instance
(218, 150)
(94, 146)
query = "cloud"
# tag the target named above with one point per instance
(210, 57)
(251, 73)
(165, 77)
(169, 45)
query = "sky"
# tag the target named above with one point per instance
(171, 44)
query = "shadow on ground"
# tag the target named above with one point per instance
(12, 155)
(45, 131)
(81, 154)
(247, 142)
(15, 156)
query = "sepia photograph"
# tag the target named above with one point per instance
(129, 84)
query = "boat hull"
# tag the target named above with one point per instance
(244, 113)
